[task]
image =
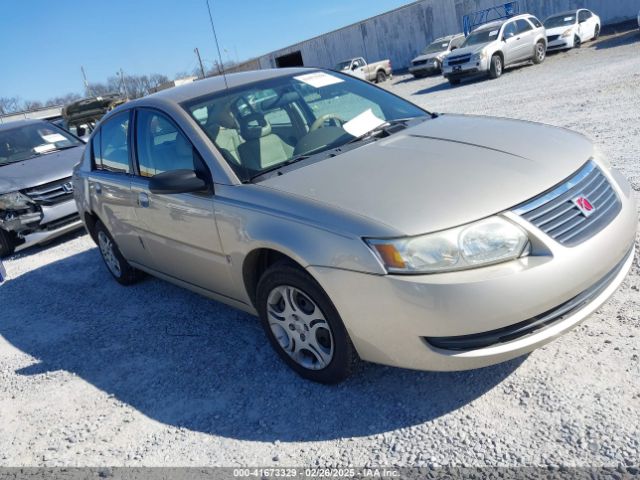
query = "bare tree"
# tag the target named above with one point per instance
(32, 105)
(9, 105)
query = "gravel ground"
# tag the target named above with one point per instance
(95, 374)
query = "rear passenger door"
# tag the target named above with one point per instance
(109, 183)
(179, 230)
(524, 39)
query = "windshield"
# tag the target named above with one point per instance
(437, 46)
(482, 36)
(343, 65)
(560, 21)
(266, 124)
(33, 140)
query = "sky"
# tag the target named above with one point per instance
(43, 43)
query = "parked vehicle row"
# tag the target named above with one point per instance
(493, 46)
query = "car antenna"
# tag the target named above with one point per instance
(215, 38)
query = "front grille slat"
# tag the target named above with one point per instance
(51, 193)
(556, 214)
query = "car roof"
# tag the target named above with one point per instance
(21, 123)
(502, 21)
(215, 84)
(567, 12)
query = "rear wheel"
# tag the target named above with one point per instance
(7, 244)
(381, 77)
(124, 273)
(303, 326)
(495, 70)
(539, 53)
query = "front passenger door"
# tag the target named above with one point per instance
(179, 230)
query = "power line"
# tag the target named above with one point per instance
(215, 37)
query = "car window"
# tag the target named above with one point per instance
(113, 154)
(510, 30)
(535, 21)
(584, 15)
(160, 146)
(358, 62)
(457, 42)
(523, 26)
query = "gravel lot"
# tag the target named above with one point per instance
(95, 374)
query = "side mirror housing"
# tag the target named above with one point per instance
(177, 181)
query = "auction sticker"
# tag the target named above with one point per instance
(53, 138)
(318, 79)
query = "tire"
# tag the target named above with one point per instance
(539, 53)
(7, 244)
(118, 267)
(454, 81)
(596, 34)
(303, 325)
(577, 43)
(381, 77)
(496, 68)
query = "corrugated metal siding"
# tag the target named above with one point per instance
(400, 34)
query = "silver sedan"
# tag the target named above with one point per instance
(355, 224)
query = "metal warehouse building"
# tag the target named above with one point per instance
(401, 33)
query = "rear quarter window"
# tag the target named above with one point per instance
(535, 21)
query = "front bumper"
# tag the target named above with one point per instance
(428, 68)
(561, 44)
(465, 70)
(389, 317)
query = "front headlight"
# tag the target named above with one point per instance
(477, 57)
(567, 33)
(488, 241)
(14, 201)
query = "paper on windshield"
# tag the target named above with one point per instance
(568, 19)
(53, 138)
(44, 148)
(493, 33)
(363, 123)
(318, 79)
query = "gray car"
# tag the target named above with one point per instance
(490, 48)
(36, 193)
(431, 58)
(356, 224)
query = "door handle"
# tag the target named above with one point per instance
(143, 200)
(98, 188)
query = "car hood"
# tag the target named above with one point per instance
(443, 172)
(429, 56)
(558, 30)
(36, 171)
(468, 50)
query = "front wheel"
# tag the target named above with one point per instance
(303, 326)
(381, 77)
(539, 53)
(577, 43)
(495, 70)
(124, 273)
(596, 33)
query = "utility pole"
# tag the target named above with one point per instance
(124, 85)
(199, 61)
(86, 83)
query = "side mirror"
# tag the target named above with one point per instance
(177, 181)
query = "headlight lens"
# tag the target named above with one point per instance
(481, 243)
(567, 33)
(14, 201)
(476, 57)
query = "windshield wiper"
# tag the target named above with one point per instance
(295, 159)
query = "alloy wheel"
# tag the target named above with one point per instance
(300, 327)
(540, 52)
(106, 248)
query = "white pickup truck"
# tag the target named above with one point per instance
(374, 72)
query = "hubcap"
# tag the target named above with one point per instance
(541, 52)
(106, 248)
(498, 65)
(300, 327)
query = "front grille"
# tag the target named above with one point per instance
(552, 38)
(535, 324)
(459, 60)
(51, 193)
(62, 222)
(420, 62)
(557, 214)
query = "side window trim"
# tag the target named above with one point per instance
(94, 164)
